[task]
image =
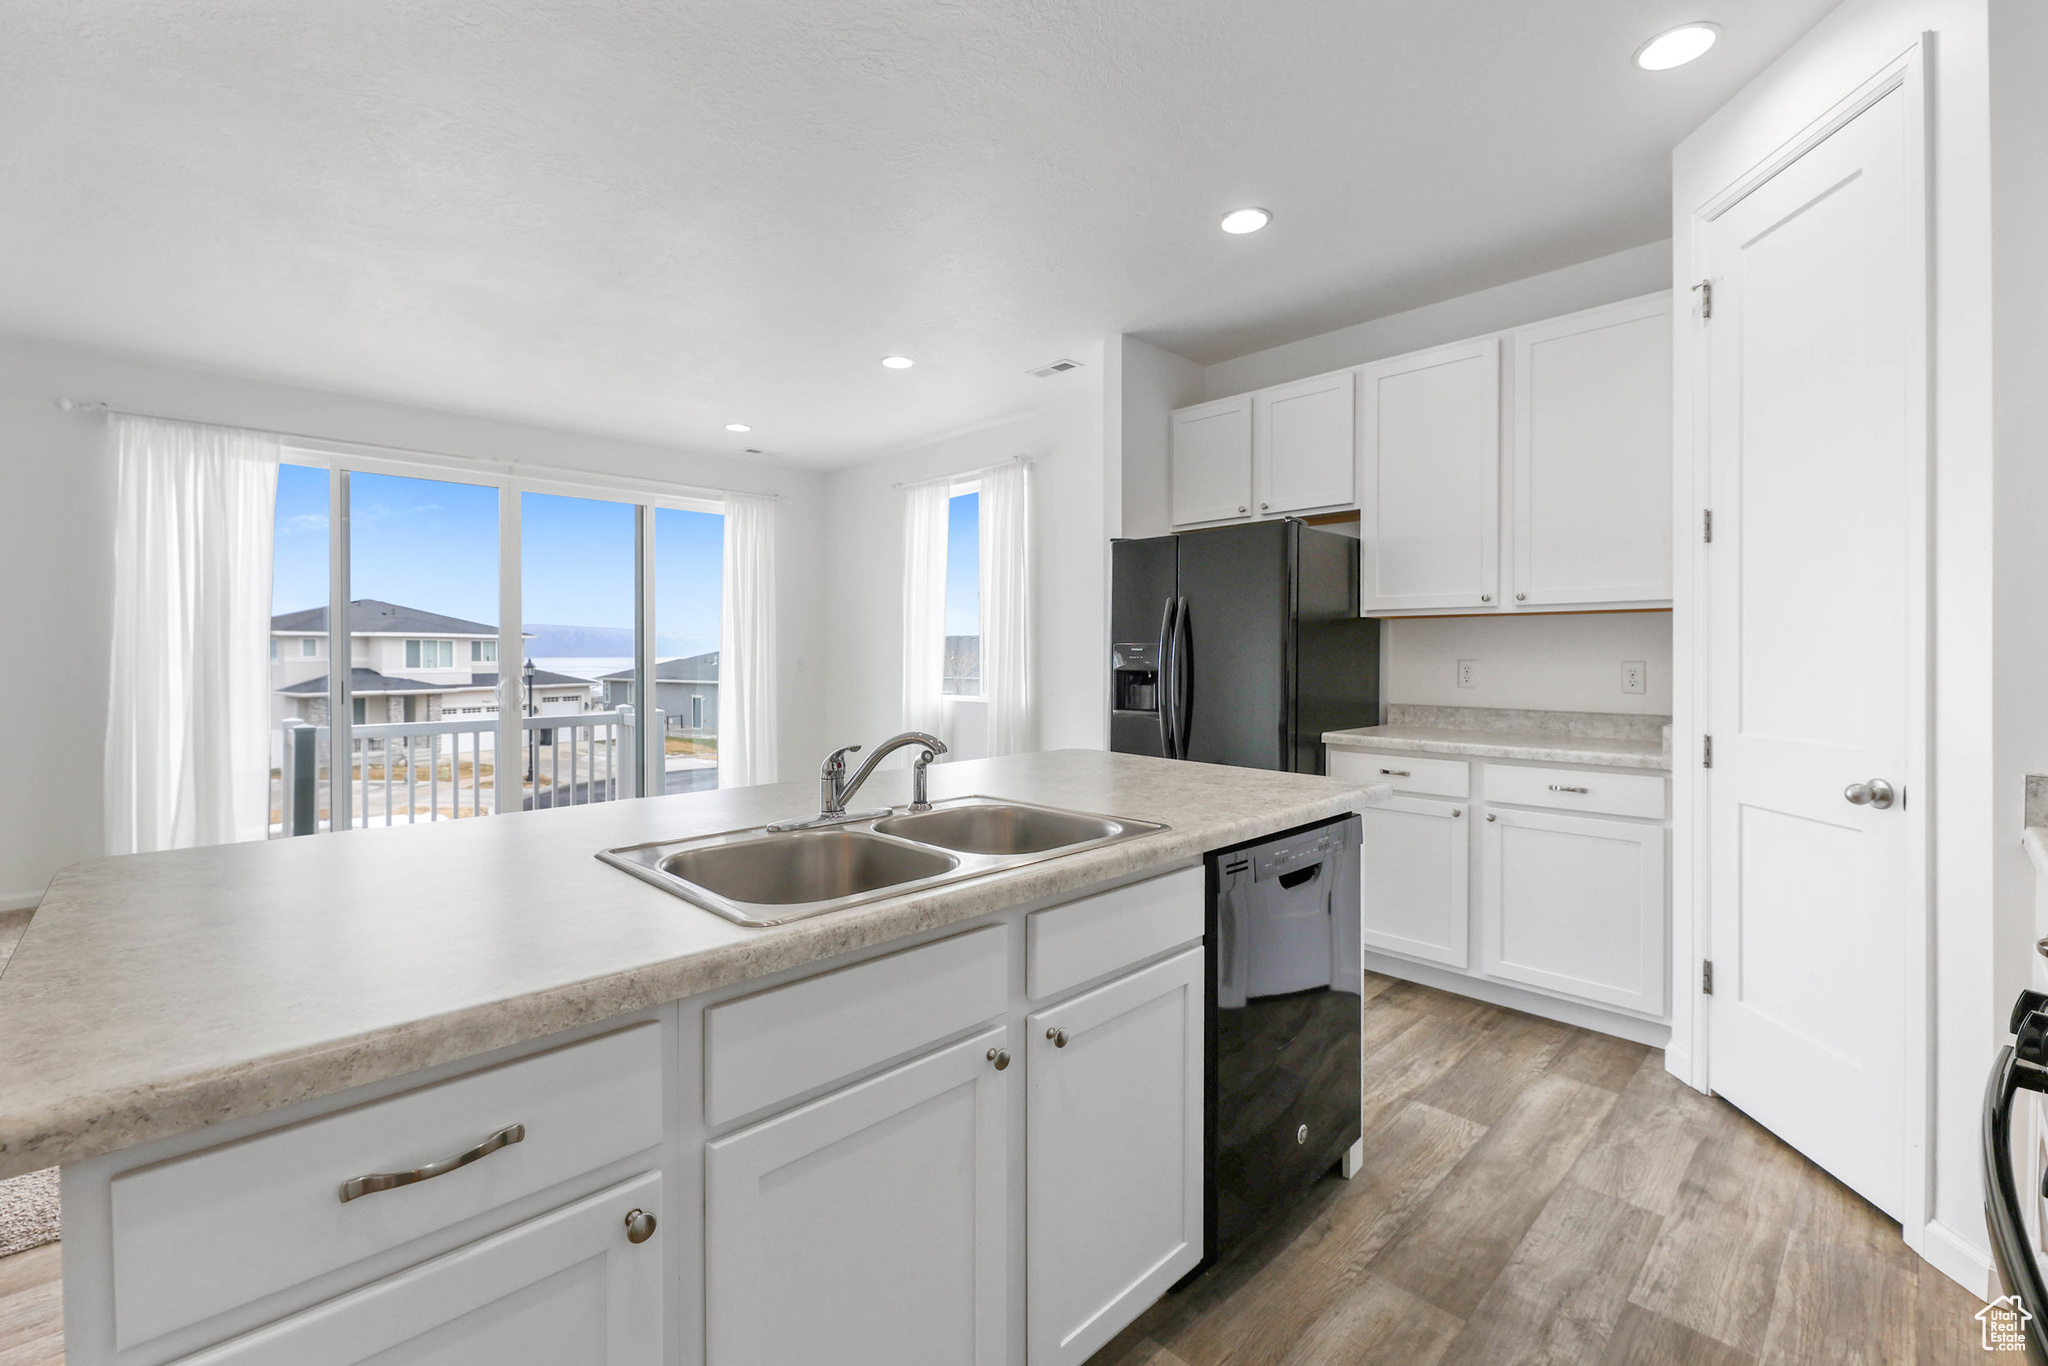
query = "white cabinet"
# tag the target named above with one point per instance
(1416, 886)
(1592, 457)
(568, 1288)
(1429, 479)
(867, 1228)
(1575, 904)
(1113, 1154)
(1304, 454)
(1209, 461)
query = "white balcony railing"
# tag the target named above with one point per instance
(409, 771)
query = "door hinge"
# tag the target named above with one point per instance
(1707, 525)
(1706, 751)
(1705, 289)
(1706, 977)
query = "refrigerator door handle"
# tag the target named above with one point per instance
(1183, 681)
(1166, 682)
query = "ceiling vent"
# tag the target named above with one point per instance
(1058, 367)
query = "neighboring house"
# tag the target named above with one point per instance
(686, 691)
(405, 665)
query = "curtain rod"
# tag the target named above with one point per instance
(509, 468)
(964, 474)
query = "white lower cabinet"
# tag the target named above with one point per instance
(1113, 1155)
(867, 1228)
(1417, 857)
(568, 1288)
(1576, 904)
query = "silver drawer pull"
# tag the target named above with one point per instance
(358, 1186)
(1396, 772)
(1555, 788)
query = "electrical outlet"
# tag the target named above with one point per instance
(1633, 676)
(1467, 673)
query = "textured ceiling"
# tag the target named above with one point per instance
(654, 219)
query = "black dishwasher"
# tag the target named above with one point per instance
(1285, 991)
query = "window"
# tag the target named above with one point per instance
(963, 595)
(309, 648)
(696, 712)
(430, 654)
(361, 712)
(483, 652)
(689, 572)
(273, 649)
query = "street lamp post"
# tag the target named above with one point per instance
(532, 735)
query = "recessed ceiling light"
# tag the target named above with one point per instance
(1676, 47)
(1241, 221)
(738, 427)
(898, 362)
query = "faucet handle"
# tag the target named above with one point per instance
(836, 760)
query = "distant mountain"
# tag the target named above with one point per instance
(603, 642)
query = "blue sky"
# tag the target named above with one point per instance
(963, 566)
(433, 544)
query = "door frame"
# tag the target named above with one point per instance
(1691, 930)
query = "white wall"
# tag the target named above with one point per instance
(1549, 663)
(1988, 503)
(1144, 385)
(56, 558)
(863, 589)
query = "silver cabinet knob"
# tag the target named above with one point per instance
(1486, 597)
(1265, 507)
(1457, 811)
(1000, 1057)
(639, 1226)
(1490, 816)
(1876, 793)
(1242, 508)
(1058, 1037)
(1521, 597)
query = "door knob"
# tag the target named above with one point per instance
(1877, 792)
(639, 1226)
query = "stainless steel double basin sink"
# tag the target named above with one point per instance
(759, 877)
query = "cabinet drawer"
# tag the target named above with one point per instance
(1092, 937)
(198, 1235)
(1571, 789)
(1426, 777)
(780, 1043)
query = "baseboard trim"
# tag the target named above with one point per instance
(20, 901)
(1652, 1032)
(1956, 1258)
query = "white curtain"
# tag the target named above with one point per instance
(925, 510)
(188, 696)
(746, 647)
(1006, 609)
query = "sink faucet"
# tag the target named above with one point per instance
(836, 789)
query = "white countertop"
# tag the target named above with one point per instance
(1605, 739)
(157, 993)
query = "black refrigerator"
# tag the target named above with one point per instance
(1239, 645)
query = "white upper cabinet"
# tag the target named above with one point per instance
(1592, 457)
(1303, 450)
(1210, 461)
(1429, 479)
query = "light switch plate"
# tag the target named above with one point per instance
(1634, 676)
(1468, 670)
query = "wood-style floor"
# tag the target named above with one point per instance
(1534, 1193)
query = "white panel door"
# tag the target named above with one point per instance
(1429, 479)
(1303, 444)
(1113, 1155)
(1592, 457)
(1209, 461)
(563, 1289)
(1417, 881)
(1807, 642)
(867, 1228)
(1575, 904)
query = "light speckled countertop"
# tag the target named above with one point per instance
(157, 993)
(1552, 737)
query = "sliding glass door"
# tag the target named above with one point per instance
(689, 549)
(578, 590)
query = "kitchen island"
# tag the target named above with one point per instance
(677, 1120)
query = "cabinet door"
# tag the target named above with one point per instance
(1429, 469)
(564, 1289)
(867, 1228)
(1592, 459)
(1303, 450)
(1575, 904)
(1114, 1155)
(1209, 461)
(1417, 881)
